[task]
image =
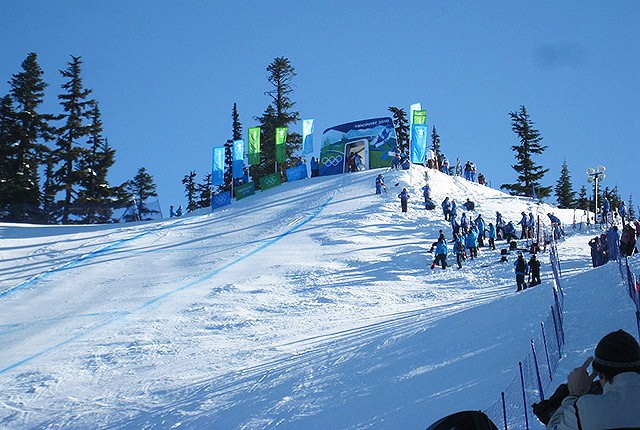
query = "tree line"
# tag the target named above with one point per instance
(54, 166)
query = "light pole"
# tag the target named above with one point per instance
(595, 175)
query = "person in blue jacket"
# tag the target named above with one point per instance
(441, 254)
(472, 241)
(459, 250)
(531, 225)
(454, 208)
(404, 199)
(606, 208)
(523, 223)
(623, 212)
(491, 234)
(446, 209)
(482, 227)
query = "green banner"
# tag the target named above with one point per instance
(270, 181)
(254, 146)
(245, 190)
(281, 138)
(419, 116)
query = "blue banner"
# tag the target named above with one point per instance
(296, 173)
(217, 172)
(238, 159)
(221, 199)
(419, 137)
(307, 136)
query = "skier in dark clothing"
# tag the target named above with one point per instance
(534, 271)
(315, 167)
(380, 184)
(404, 198)
(521, 269)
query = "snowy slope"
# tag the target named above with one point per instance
(306, 306)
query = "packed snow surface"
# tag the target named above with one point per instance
(307, 306)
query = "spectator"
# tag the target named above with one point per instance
(458, 167)
(623, 212)
(426, 192)
(524, 224)
(482, 227)
(446, 209)
(521, 269)
(445, 164)
(404, 199)
(534, 271)
(616, 362)
(491, 234)
(380, 184)
(315, 167)
(469, 205)
(441, 254)
(172, 213)
(458, 250)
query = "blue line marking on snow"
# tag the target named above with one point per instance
(121, 315)
(82, 258)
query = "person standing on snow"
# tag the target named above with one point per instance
(534, 271)
(482, 227)
(491, 234)
(623, 212)
(380, 184)
(523, 223)
(458, 250)
(404, 199)
(315, 167)
(441, 254)
(446, 209)
(521, 269)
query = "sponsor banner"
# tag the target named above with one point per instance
(245, 190)
(237, 164)
(270, 181)
(307, 136)
(374, 139)
(281, 138)
(419, 117)
(221, 199)
(254, 146)
(296, 173)
(419, 137)
(217, 171)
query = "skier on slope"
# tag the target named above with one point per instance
(404, 199)
(380, 184)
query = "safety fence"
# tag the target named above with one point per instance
(629, 280)
(536, 371)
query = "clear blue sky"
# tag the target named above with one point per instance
(166, 74)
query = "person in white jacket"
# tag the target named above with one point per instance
(617, 363)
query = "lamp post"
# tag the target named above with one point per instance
(595, 175)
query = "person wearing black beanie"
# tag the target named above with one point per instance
(617, 364)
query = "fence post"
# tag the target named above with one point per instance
(524, 397)
(555, 326)
(504, 412)
(546, 351)
(535, 361)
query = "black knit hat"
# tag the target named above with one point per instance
(617, 351)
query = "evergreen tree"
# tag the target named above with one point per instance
(228, 148)
(93, 204)
(279, 113)
(401, 125)
(189, 182)
(77, 109)
(435, 145)
(630, 208)
(565, 196)
(139, 189)
(237, 125)
(529, 173)
(32, 130)
(8, 146)
(582, 202)
(203, 192)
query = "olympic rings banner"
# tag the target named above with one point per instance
(296, 173)
(221, 199)
(270, 181)
(372, 139)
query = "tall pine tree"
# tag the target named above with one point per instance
(32, 131)
(582, 202)
(140, 189)
(565, 196)
(529, 173)
(203, 192)
(72, 135)
(401, 125)
(435, 146)
(279, 113)
(189, 182)
(8, 145)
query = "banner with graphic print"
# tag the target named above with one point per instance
(254, 146)
(245, 190)
(281, 138)
(237, 165)
(217, 171)
(270, 181)
(221, 199)
(419, 137)
(371, 139)
(307, 136)
(296, 173)
(419, 117)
